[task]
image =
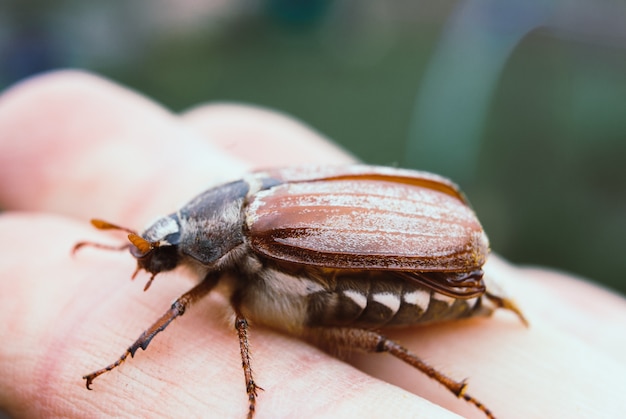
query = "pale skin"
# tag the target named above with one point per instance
(73, 147)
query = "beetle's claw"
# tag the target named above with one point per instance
(89, 381)
(508, 304)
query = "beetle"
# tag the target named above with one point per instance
(329, 254)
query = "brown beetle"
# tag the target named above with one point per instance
(328, 254)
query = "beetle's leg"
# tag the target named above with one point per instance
(177, 309)
(104, 225)
(371, 341)
(507, 304)
(100, 246)
(241, 324)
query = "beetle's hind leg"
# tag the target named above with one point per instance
(371, 341)
(177, 309)
(507, 304)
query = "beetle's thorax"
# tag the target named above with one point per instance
(211, 224)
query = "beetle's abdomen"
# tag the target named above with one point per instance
(292, 297)
(377, 299)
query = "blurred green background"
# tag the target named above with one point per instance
(523, 103)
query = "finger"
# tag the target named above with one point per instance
(64, 317)
(263, 138)
(76, 144)
(577, 307)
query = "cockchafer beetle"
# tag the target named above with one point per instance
(328, 254)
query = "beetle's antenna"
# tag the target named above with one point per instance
(104, 225)
(143, 245)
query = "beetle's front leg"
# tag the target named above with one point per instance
(371, 341)
(177, 309)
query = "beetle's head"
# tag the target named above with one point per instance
(156, 250)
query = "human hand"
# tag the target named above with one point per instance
(73, 147)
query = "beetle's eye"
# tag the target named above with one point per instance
(137, 254)
(173, 238)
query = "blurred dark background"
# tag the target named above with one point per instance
(523, 103)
